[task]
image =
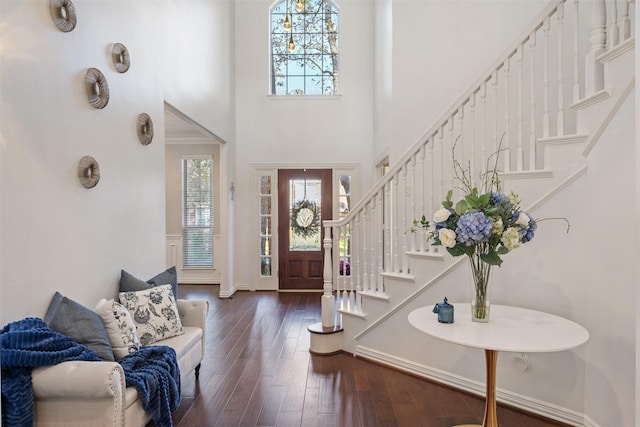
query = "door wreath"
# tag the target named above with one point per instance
(305, 219)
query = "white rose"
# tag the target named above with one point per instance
(447, 237)
(523, 220)
(441, 215)
(511, 238)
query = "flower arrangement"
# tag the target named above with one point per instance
(483, 225)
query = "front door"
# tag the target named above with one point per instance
(304, 200)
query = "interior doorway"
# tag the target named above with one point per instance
(304, 201)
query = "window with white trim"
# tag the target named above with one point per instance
(197, 211)
(304, 48)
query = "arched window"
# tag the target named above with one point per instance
(304, 48)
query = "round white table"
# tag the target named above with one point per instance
(509, 329)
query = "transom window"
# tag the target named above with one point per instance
(304, 48)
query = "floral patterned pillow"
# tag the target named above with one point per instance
(120, 327)
(154, 312)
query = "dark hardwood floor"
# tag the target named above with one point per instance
(258, 372)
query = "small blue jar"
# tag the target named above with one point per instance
(445, 311)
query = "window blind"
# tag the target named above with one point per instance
(197, 211)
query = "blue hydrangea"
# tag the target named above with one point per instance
(473, 227)
(497, 198)
(500, 199)
(527, 233)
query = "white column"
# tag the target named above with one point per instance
(328, 300)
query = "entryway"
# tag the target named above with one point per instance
(304, 201)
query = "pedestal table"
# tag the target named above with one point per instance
(509, 329)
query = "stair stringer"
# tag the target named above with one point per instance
(376, 309)
(597, 110)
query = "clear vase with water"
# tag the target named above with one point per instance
(480, 291)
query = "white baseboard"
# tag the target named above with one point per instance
(227, 293)
(199, 281)
(516, 400)
(588, 422)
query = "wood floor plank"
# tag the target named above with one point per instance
(257, 371)
(296, 384)
(255, 403)
(310, 415)
(271, 406)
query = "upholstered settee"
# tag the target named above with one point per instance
(83, 393)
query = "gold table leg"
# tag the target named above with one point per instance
(490, 413)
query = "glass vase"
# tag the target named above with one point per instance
(480, 297)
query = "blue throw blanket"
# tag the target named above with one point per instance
(29, 343)
(25, 345)
(154, 372)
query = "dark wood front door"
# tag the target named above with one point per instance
(304, 200)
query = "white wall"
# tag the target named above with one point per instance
(383, 93)
(197, 60)
(272, 130)
(439, 49)
(198, 74)
(57, 235)
(609, 274)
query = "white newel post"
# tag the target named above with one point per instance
(594, 70)
(328, 299)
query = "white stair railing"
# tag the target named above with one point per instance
(514, 103)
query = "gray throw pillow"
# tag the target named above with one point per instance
(80, 323)
(130, 283)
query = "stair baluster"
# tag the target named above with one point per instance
(594, 69)
(532, 104)
(560, 120)
(520, 150)
(545, 70)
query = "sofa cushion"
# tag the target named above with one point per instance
(191, 337)
(120, 327)
(154, 312)
(130, 283)
(80, 323)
